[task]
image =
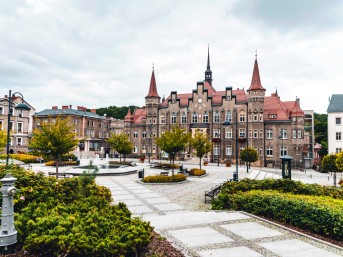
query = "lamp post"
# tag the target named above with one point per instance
(150, 147)
(235, 175)
(282, 137)
(8, 233)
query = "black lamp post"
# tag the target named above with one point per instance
(235, 175)
(150, 147)
(8, 233)
(282, 137)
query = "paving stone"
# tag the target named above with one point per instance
(119, 192)
(232, 252)
(200, 236)
(141, 191)
(157, 200)
(251, 230)
(168, 207)
(133, 202)
(120, 198)
(149, 195)
(296, 248)
(140, 209)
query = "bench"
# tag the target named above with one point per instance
(214, 191)
(164, 173)
(60, 174)
(183, 171)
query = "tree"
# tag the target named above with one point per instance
(339, 162)
(320, 128)
(54, 138)
(173, 141)
(120, 143)
(329, 165)
(323, 149)
(249, 155)
(3, 139)
(201, 143)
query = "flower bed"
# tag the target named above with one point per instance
(196, 172)
(164, 179)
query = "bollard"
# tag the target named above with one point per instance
(328, 178)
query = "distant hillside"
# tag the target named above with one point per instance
(115, 112)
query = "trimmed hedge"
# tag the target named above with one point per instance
(53, 163)
(322, 215)
(196, 172)
(164, 179)
(26, 158)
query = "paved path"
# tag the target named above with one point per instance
(178, 212)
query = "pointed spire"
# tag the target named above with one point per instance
(256, 80)
(153, 88)
(128, 116)
(208, 72)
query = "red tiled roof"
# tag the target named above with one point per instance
(274, 106)
(153, 88)
(128, 116)
(209, 87)
(183, 100)
(138, 115)
(240, 95)
(294, 108)
(256, 80)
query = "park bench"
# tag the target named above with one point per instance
(214, 191)
(60, 174)
(164, 173)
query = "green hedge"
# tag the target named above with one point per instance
(164, 179)
(322, 215)
(73, 217)
(26, 158)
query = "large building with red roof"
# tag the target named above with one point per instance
(272, 126)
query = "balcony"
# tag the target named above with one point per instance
(242, 139)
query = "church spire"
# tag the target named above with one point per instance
(256, 80)
(208, 72)
(153, 88)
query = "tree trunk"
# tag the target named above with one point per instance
(120, 157)
(56, 164)
(334, 179)
(200, 162)
(173, 167)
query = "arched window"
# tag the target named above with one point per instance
(228, 116)
(194, 117)
(216, 118)
(183, 118)
(173, 118)
(205, 117)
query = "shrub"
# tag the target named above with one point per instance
(341, 182)
(164, 179)
(322, 215)
(199, 172)
(228, 164)
(26, 158)
(53, 163)
(57, 218)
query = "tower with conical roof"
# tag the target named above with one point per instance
(152, 101)
(208, 72)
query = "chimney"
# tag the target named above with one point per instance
(70, 106)
(64, 107)
(54, 107)
(93, 111)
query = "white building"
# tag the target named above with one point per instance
(335, 124)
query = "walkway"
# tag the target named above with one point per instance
(178, 213)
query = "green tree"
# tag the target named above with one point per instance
(249, 155)
(339, 162)
(173, 141)
(120, 143)
(323, 149)
(53, 139)
(329, 165)
(115, 112)
(3, 139)
(202, 144)
(320, 128)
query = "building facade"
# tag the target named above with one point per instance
(335, 124)
(271, 126)
(91, 129)
(21, 124)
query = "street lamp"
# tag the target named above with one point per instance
(8, 233)
(282, 137)
(235, 175)
(150, 146)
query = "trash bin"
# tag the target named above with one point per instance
(141, 173)
(235, 177)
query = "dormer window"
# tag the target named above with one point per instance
(272, 116)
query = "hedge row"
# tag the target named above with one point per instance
(53, 163)
(197, 172)
(322, 215)
(26, 158)
(164, 179)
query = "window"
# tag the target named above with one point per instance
(154, 148)
(162, 131)
(19, 141)
(261, 151)
(294, 133)
(255, 133)
(1, 110)
(183, 118)
(216, 133)
(154, 133)
(20, 127)
(135, 149)
(194, 118)
(216, 150)
(228, 116)
(163, 119)
(144, 134)
(216, 117)
(228, 97)
(338, 121)
(228, 133)
(242, 117)
(283, 151)
(205, 117)
(11, 125)
(299, 133)
(173, 118)
(338, 150)
(261, 116)
(283, 133)
(338, 136)
(250, 133)
(1, 125)
(261, 133)
(241, 132)
(269, 151)
(135, 134)
(255, 117)
(228, 150)
(144, 148)
(269, 134)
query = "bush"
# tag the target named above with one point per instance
(199, 172)
(164, 179)
(26, 158)
(322, 215)
(73, 217)
(53, 163)
(341, 182)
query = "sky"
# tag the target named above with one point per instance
(100, 53)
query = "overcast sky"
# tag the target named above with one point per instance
(97, 53)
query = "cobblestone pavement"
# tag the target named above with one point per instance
(178, 212)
